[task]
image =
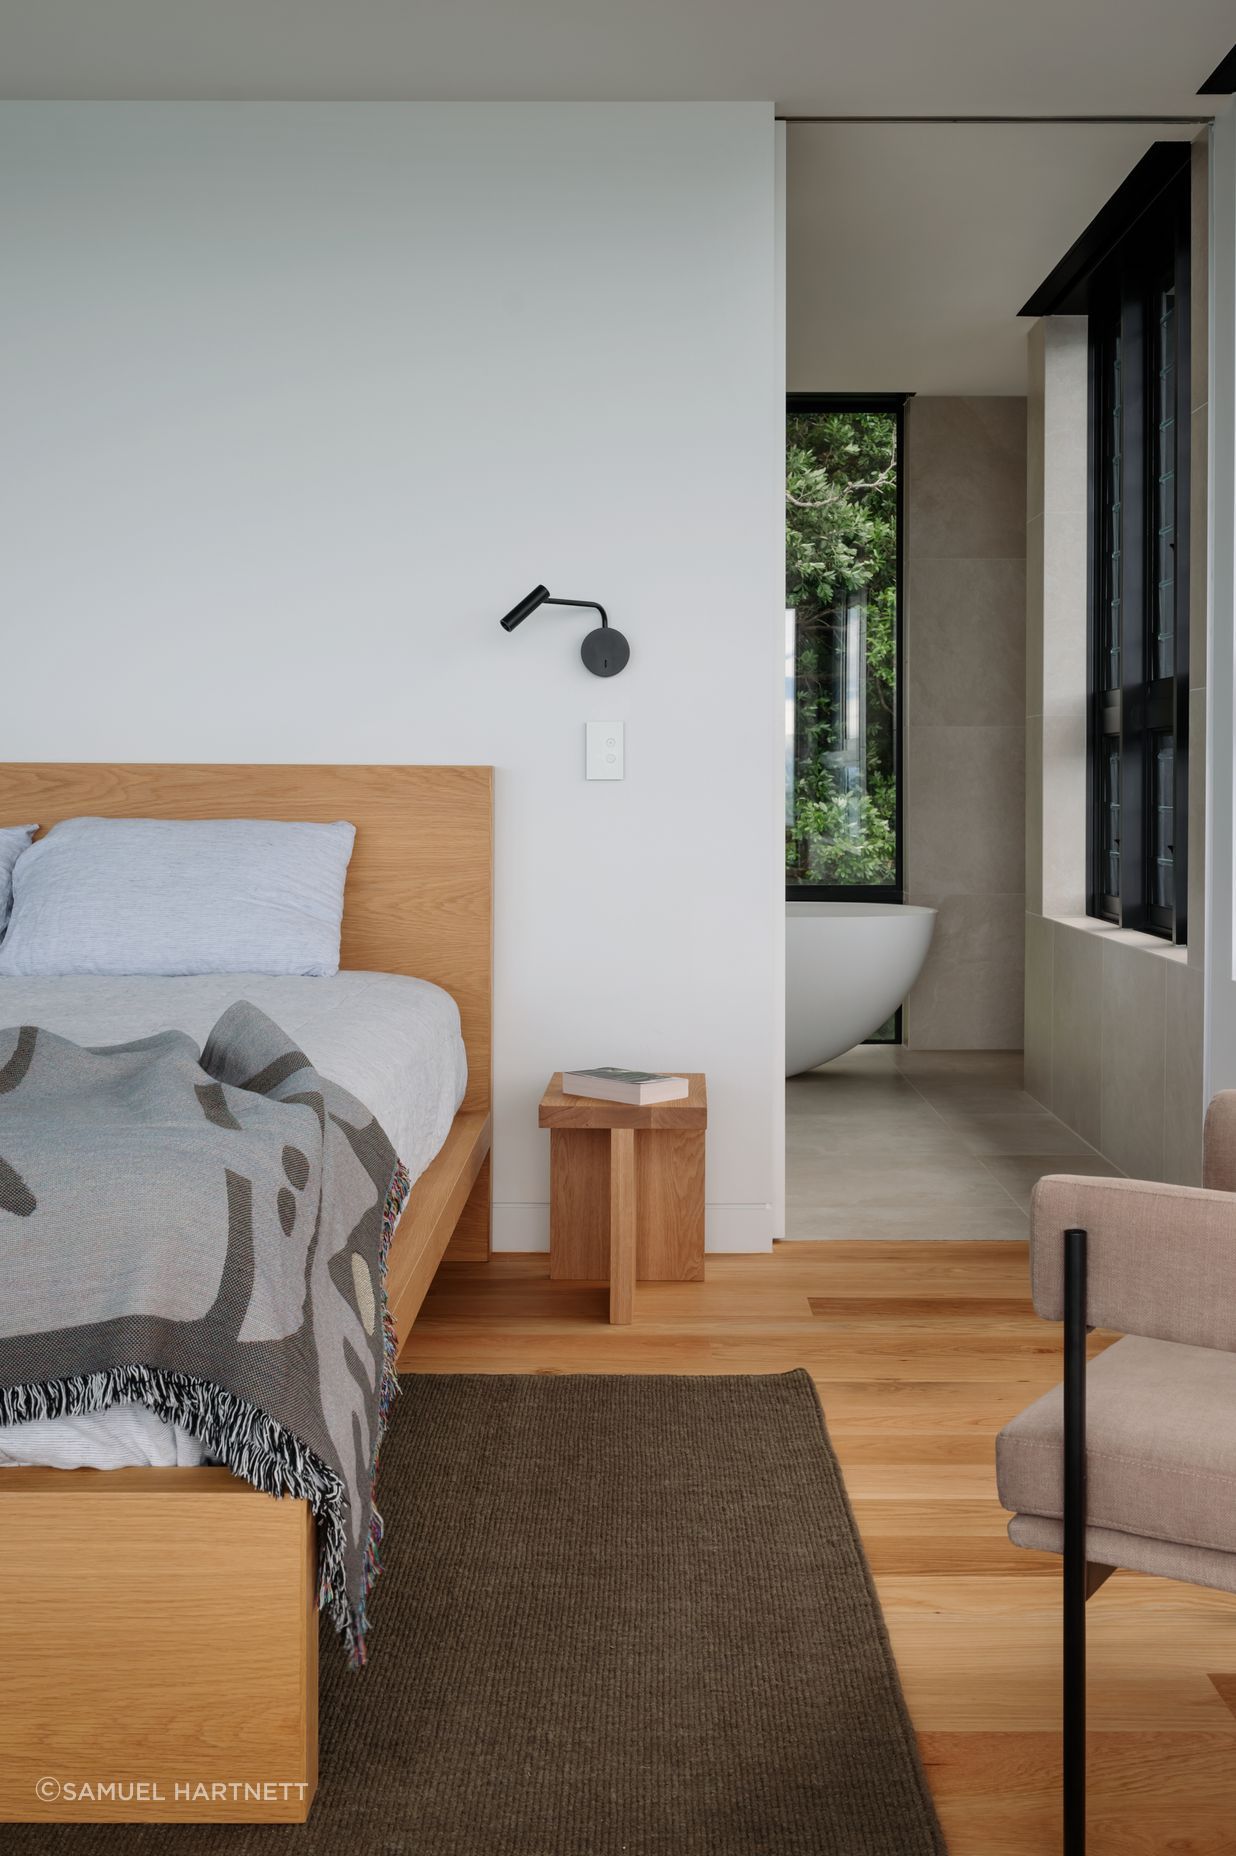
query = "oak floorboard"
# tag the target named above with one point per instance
(920, 1352)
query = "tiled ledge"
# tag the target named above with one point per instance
(1151, 944)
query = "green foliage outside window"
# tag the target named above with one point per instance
(841, 550)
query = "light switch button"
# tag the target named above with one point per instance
(604, 750)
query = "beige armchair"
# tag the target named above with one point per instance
(1132, 1462)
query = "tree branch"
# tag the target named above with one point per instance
(841, 492)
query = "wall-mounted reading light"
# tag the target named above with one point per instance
(605, 651)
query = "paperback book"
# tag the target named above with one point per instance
(638, 1088)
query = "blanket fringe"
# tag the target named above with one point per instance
(388, 1392)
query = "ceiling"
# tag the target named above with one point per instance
(832, 57)
(911, 248)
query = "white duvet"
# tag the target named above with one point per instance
(120, 1438)
(394, 1043)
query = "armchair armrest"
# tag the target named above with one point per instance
(1219, 1143)
(1162, 1259)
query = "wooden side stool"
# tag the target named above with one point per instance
(626, 1191)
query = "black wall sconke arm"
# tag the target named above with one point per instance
(605, 651)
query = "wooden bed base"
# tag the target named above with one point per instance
(158, 1627)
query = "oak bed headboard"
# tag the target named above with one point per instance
(419, 897)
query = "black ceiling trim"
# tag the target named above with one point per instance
(1065, 290)
(1222, 80)
(846, 402)
(1198, 119)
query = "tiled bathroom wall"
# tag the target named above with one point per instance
(964, 689)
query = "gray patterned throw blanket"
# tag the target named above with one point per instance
(206, 1234)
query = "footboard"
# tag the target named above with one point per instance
(158, 1648)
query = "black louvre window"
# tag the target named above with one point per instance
(1139, 419)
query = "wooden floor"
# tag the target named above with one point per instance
(921, 1350)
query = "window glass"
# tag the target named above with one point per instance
(841, 649)
(1138, 307)
(1163, 612)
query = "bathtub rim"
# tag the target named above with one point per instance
(803, 911)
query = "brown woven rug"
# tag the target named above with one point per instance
(619, 1617)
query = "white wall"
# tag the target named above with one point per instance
(298, 399)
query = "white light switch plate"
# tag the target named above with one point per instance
(604, 750)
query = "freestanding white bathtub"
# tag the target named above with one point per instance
(848, 966)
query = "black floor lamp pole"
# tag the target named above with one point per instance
(1075, 1571)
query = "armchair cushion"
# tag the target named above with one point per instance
(1160, 1446)
(1162, 1259)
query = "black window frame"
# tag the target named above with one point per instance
(1136, 713)
(894, 405)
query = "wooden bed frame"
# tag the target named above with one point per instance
(158, 1627)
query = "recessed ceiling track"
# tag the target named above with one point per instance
(1164, 122)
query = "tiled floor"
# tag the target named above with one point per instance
(895, 1143)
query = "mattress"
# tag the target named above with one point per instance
(393, 1043)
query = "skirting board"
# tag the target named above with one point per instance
(730, 1229)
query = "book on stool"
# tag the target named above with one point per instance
(639, 1088)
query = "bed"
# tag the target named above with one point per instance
(196, 1701)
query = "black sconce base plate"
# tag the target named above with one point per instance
(605, 652)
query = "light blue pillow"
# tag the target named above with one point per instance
(13, 841)
(165, 896)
